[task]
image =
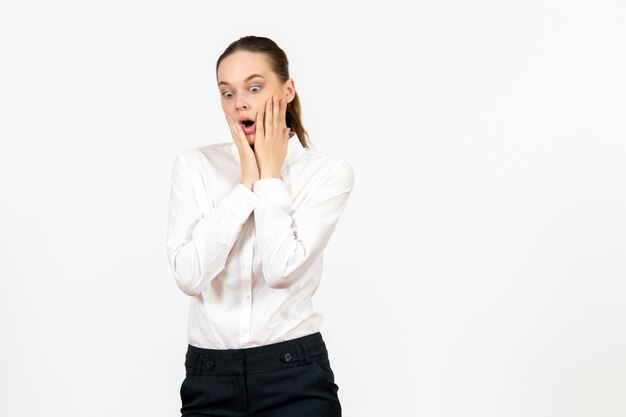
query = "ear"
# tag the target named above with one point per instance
(289, 90)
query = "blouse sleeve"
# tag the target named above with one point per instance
(289, 244)
(198, 242)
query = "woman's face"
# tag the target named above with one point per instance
(246, 81)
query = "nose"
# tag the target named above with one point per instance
(240, 106)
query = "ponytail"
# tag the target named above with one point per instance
(294, 121)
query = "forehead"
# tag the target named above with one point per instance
(239, 65)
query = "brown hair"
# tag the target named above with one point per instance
(280, 65)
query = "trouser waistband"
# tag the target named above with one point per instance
(285, 354)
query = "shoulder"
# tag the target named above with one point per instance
(333, 167)
(197, 156)
(205, 152)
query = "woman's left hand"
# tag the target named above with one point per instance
(271, 137)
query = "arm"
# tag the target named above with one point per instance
(288, 245)
(198, 243)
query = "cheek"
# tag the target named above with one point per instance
(263, 100)
(231, 111)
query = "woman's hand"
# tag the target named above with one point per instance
(249, 167)
(271, 137)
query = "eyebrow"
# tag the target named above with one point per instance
(247, 78)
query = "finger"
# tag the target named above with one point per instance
(283, 112)
(240, 133)
(268, 117)
(260, 130)
(236, 130)
(230, 125)
(276, 112)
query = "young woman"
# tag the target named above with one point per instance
(248, 222)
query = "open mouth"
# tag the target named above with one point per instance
(248, 127)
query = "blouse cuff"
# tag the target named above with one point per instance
(241, 201)
(273, 192)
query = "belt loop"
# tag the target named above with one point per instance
(305, 349)
(197, 370)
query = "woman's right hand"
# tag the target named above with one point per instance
(249, 167)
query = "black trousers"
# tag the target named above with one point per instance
(292, 378)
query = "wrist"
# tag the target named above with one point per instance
(248, 184)
(269, 174)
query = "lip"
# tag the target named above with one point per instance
(247, 130)
(241, 119)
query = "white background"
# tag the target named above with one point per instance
(478, 269)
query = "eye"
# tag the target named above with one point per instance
(225, 94)
(255, 86)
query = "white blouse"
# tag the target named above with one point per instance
(251, 260)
